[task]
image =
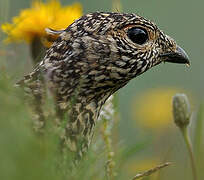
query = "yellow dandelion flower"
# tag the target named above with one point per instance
(153, 109)
(31, 23)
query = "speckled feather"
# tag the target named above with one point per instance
(91, 60)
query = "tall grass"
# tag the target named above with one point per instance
(26, 155)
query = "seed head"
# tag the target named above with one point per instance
(181, 110)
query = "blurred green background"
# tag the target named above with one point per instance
(183, 21)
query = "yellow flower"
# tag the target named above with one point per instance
(153, 109)
(31, 23)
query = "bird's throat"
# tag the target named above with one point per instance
(80, 125)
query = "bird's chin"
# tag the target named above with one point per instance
(179, 56)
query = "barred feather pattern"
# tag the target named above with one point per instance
(90, 61)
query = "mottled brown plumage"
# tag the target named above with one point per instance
(93, 58)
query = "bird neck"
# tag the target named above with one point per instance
(84, 105)
(82, 117)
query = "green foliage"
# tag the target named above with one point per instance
(24, 155)
(27, 155)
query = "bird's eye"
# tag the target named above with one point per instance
(138, 35)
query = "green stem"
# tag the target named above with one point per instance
(190, 151)
(37, 50)
(198, 131)
(116, 6)
(108, 145)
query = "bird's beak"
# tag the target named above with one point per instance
(177, 56)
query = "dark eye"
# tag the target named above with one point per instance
(138, 35)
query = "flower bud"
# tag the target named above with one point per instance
(181, 110)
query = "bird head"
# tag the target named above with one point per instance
(103, 51)
(145, 45)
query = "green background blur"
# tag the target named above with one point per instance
(183, 21)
